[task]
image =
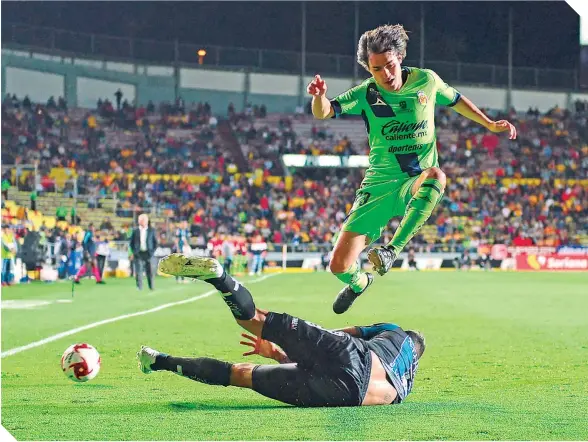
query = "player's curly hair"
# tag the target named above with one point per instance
(382, 39)
(418, 340)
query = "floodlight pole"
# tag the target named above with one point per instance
(422, 54)
(355, 42)
(510, 38)
(302, 55)
(176, 69)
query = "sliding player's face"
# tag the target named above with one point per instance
(386, 70)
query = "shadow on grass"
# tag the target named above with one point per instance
(94, 386)
(193, 406)
(423, 407)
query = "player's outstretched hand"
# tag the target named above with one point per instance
(260, 346)
(504, 126)
(317, 86)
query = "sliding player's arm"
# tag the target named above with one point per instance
(353, 331)
(448, 96)
(368, 331)
(264, 348)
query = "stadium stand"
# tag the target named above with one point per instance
(171, 162)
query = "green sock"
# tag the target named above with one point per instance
(418, 211)
(356, 279)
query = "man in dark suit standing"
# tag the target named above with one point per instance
(143, 245)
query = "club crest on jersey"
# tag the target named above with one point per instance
(422, 98)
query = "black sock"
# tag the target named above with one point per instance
(205, 370)
(237, 297)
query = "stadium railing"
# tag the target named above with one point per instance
(120, 249)
(63, 42)
(290, 259)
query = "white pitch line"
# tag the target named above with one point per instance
(73, 331)
(22, 304)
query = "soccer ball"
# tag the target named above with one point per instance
(80, 362)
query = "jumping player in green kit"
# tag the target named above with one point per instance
(397, 105)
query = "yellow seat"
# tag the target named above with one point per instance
(10, 205)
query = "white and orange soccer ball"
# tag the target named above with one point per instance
(80, 362)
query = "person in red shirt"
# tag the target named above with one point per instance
(277, 237)
(215, 245)
(522, 240)
(264, 204)
(490, 143)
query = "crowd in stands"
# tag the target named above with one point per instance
(551, 145)
(519, 214)
(177, 139)
(261, 140)
(170, 139)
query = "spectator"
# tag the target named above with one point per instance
(75, 219)
(9, 247)
(61, 213)
(106, 224)
(118, 95)
(143, 244)
(33, 198)
(6, 185)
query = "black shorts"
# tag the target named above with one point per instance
(329, 369)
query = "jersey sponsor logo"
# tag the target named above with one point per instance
(379, 102)
(404, 107)
(395, 126)
(406, 136)
(422, 97)
(397, 130)
(406, 148)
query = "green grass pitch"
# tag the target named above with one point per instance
(506, 359)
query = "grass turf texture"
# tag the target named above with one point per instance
(506, 359)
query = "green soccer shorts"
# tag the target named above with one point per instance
(375, 205)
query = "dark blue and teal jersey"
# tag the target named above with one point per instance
(397, 353)
(182, 235)
(88, 243)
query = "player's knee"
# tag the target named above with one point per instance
(437, 174)
(339, 264)
(242, 375)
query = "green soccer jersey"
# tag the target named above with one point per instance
(400, 125)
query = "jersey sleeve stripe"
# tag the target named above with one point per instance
(455, 100)
(336, 108)
(432, 186)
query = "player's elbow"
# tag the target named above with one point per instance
(436, 174)
(321, 115)
(322, 108)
